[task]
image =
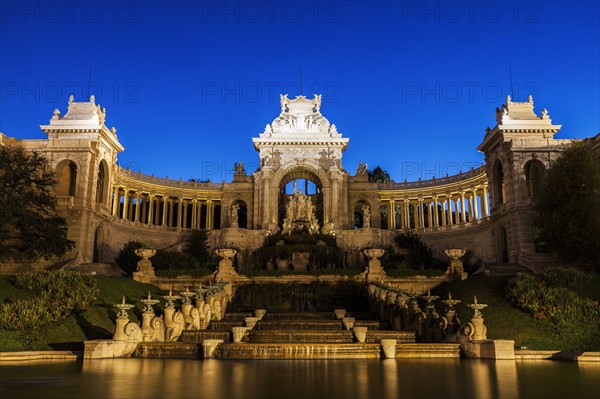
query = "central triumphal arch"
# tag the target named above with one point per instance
(300, 144)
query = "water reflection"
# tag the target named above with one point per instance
(348, 379)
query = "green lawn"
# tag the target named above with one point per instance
(504, 321)
(95, 323)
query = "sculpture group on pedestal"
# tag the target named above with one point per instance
(300, 214)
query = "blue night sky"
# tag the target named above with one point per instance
(187, 84)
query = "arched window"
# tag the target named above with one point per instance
(101, 183)
(534, 178)
(242, 214)
(498, 183)
(66, 178)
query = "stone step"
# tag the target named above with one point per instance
(300, 351)
(223, 325)
(300, 336)
(168, 350)
(409, 351)
(399, 336)
(237, 316)
(196, 337)
(370, 324)
(299, 325)
(299, 316)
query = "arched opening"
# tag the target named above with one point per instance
(241, 217)
(98, 245)
(502, 245)
(498, 183)
(101, 183)
(384, 216)
(534, 178)
(362, 214)
(300, 181)
(66, 178)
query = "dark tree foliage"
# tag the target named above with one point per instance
(196, 245)
(30, 228)
(379, 175)
(127, 259)
(569, 208)
(419, 255)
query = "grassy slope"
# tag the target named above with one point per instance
(95, 323)
(504, 321)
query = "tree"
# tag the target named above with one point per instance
(30, 228)
(569, 209)
(379, 175)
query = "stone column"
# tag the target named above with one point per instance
(484, 202)
(171, 211)
(392, 215)
(209, 215)
(444, 209)
(130, 214)
(143, 218)
(179, 213)
(462, 208)
(125, 205)
(194, 213)
(116, 200)
(421, 215)
(407, 214)
(150, 209)
(450, 201)
(164, 212)
(436, 215)
(136, 218)
(475, 210)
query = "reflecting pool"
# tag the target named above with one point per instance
(348, 379)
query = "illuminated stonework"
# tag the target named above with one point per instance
(487, 210)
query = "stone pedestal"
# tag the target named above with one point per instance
(225, 270)
(209, 347)
(145, 271)
(456, 270)
(389, 348)
(107, 348)
(340, 313)
(251, 322)
(260, 313)
(374, 271)
(499, 349)
(360, 333)
(238, 333)
(348, 322)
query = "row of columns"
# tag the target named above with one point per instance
(465, 199)
(148, 210)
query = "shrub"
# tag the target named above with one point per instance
(548, 295)
(127, 259)
(59, 294)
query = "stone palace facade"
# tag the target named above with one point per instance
(487, 210)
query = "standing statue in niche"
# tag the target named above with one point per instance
(366, 216)
(234, 214)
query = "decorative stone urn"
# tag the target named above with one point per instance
(225, 271)
(374, 271)
(145, 271)
(480, 330)
(238, 333)
(125, 330)
(455, 267)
